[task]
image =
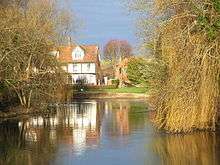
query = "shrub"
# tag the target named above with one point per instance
(115, 82)
(134, 70)
(81, 85)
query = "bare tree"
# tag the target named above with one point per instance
(116, 50)
(27, 35)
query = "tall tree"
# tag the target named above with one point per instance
(116, 50)
(187, 48)
(27, 36)
(6, 3)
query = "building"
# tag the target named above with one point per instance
(81, 62)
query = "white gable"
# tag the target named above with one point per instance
(55, 53)
(78, 53)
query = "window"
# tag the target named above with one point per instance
(88, 67)
(74, 67)
(77, 54)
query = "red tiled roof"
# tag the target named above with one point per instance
(91, 53)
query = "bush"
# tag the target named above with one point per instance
(115, 82)
(134, 70)
(81, 85)
(2, 87)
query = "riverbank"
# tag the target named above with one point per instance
(128, 90)
(18, 111)
(109, 95)
(119, 93)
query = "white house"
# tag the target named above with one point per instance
(81, 62)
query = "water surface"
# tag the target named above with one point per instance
(101, 132)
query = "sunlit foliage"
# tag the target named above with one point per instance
(187, 45)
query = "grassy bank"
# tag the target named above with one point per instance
(135, 90)
(141, 90)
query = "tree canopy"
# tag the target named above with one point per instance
(27, 35)
(116, 50)
(186, 48)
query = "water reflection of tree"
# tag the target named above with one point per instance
(200, 148)
(7, 137)
(137, 115)
(74, 125)
(16, 150)
(117, 118)
(126, 117)
(122, 119)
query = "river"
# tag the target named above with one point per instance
(101, 132)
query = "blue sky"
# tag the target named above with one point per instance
(103, 20)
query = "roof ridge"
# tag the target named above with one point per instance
(80, 45)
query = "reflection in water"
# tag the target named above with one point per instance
(117, 115)
(75, 124)
(14, 150)
(99, 132)
(73, 127)
(199, 148)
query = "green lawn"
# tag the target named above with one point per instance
(121, 90)
(127, 90)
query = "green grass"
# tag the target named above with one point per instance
(137, 90)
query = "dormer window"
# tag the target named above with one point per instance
(78, 53)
